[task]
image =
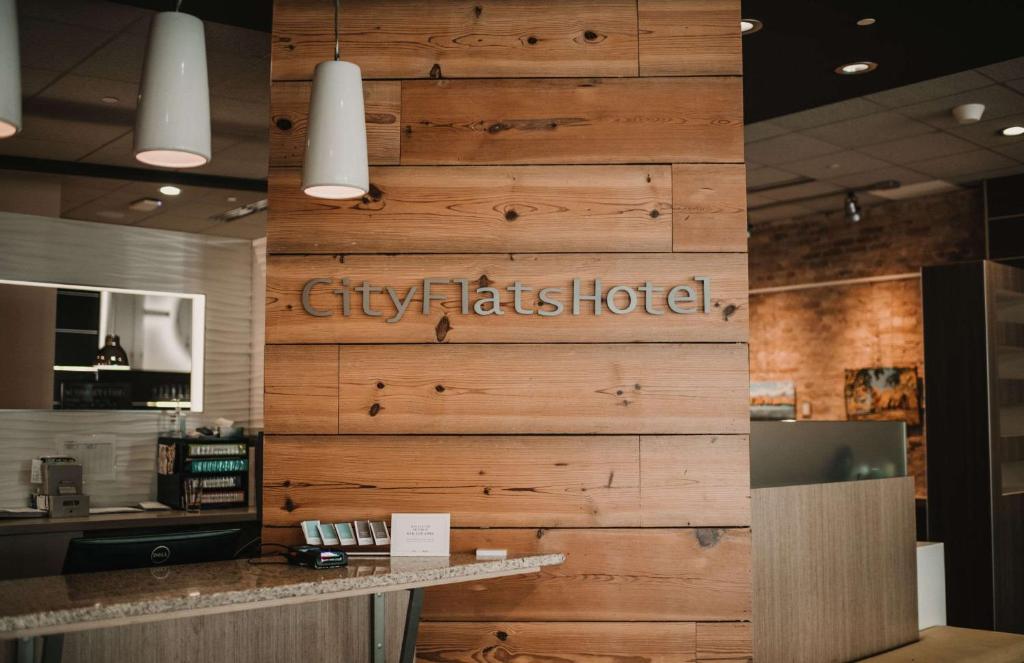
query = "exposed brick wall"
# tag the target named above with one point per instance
(893, 238)
(811, 336)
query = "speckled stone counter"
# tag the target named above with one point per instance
(60, 604)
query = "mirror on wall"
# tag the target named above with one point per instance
(71, 347)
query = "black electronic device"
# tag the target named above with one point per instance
(315, 557)
(132, 552)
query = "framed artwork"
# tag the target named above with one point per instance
(883, 394)
(772, 400)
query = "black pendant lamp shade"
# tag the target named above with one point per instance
(112, 354)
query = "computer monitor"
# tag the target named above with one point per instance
(132, 552)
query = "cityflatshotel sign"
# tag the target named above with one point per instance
(475, 299)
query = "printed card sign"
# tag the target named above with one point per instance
(420, 534)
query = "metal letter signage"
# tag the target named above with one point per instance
(485, 299)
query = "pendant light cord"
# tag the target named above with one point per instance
(177, 6)
(337, 39)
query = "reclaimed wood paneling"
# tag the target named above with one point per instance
(695, 480)
(709, 207)
(510, 481)
(689, 37)
(300, 389)
(460, 38)
(289, 117)
(724, 641)
(592, 120)
(480, 209)
(559, 388)
(724, 320)
(834, 570)
(610, 575)
(578, 642)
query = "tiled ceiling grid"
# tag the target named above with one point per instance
(76, 52)
(906, 134)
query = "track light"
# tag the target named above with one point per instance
(852, 208)
(172, 126)
(10, 71)
(336, 164)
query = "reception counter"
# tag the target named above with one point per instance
(52, 606)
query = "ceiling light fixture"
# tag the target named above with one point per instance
(853, 210)
(10, 71)
(109, 100)
(853, 68)
(336, 164)
(1013, 131)
(172, 125)
(170, 190)
(239, 212)
(749, 26)
(968, 113)
(865, 22)
(146, 205)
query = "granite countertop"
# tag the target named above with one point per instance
(55, 604)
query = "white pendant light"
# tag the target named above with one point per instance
(172, 125)
(336, 164)
(10, 71)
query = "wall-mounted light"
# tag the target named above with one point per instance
(172, 125)
(336, 164)
(853, 210)
(10, 71)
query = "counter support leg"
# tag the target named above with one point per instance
(26, 650)
(412, 625)
(53, 648)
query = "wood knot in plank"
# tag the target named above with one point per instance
(708, 537)
(655, 214)
(439, 388)
(483, 281)
(435, 71)
(531, 40)
(289, 505)
(498, 127)
(511, 215)
(728, 311)
(283, 123)
(478, 10)
(590, 35)
(374, 409)
(444, 325)
(501, 635)
(541, 532)
(380, 385)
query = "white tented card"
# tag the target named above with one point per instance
(420, 534)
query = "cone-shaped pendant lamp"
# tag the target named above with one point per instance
(336, 165)
(172, 124)
(10, 71)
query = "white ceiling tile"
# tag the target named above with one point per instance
(815, 117)
(119, 60)
(765, 175)
(800, 191)
(1016, 85)
(788, 147)
(999, 101)
(972, 178)
(23, 145)
(839, 163)
(97, 14)
(57, 46)
(869, 129)
(919, 148)
(1006, 70)
(761, 130)
(115, 153)
(1014, 150)
(244, 43)
(901, 175)
(33, 80)
(240, 118)
(90, 91)
(955, 166)
(930, 89)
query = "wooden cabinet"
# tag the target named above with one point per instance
(974, 351)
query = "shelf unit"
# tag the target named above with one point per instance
(974, 386)
(222, 464)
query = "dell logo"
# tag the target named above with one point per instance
(160, 554)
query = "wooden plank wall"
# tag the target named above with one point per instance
(535, 141)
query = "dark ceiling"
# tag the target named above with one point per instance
(789, 65)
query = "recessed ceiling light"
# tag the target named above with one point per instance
(865, 22)
(1013, 131)
(862, 67)
(232, 199)
(169, 190)
(110, 100)
(750, 25)
(145, 205)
